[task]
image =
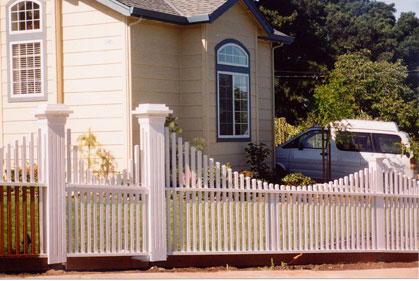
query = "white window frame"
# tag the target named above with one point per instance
(234, 136)
(12, 69)
(26, 37)
(233, 64)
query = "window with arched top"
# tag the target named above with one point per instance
(26, 51)
(24, 16)
(232, 54)
(233, 91)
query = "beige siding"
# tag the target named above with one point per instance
(95, 74)
(155, 66)
(190, 96)
(17, 119)
(95, 79)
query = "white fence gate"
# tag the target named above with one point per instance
(173, 200)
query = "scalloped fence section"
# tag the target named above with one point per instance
(211, 209)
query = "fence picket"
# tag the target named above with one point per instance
(211, 161)
(82, 219)
(300, 219)
(236, 211)
(101, 226)
(94, 217)
(255, 237)
(174, 182)
(248, 221)
(230, 208)
(16, 162)
(260, 199)
(218, 195)
(181, 194)
(295, 220)
(23, 158)
(224, 195)
(200, 219)
(138, 222)
(187, 197)
(194, 225)
(284, 220)
(206, 211)
(125, 206)
(166, 161)
(242, 212)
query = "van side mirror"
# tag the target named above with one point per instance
(300, 146)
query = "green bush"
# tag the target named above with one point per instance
(256, 157)
(297, 179)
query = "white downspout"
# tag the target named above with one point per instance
(273, 101)
(129, 88)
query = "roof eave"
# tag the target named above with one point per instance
(278, 38)
(117, 6)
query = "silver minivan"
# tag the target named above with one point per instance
(354, 145)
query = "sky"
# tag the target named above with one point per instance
(404, 6)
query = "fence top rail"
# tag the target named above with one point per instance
(23, 184)
(291, 191)
(107, 188)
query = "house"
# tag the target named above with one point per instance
(209, 61)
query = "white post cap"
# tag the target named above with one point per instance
(52, 111)
(152, 110)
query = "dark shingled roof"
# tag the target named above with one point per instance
(190, 12)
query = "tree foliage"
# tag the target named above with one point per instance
(324, 30)
(359, 87)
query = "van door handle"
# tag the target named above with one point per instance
(325, 154)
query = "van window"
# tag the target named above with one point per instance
(387, 143)
(312, 139)
(351, 141)
(293, 144)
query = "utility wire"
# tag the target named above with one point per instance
(316, 75)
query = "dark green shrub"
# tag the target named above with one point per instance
(256, 157)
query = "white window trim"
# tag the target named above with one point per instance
(24, 96)
(229, 63)
(41, 20)
(234, 119)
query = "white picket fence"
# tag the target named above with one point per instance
(173, 200)
(211, 209)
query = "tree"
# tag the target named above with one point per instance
(89, 141)
(363, 88)
(327, 29)
(360, 88)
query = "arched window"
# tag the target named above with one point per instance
(26, 51)
(233, 91)
(24, 16)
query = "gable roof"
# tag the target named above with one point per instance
(185, 12)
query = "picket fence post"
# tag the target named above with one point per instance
(151, 118)
(51, 120)
(380, 215)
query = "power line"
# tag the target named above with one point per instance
(316, 75)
